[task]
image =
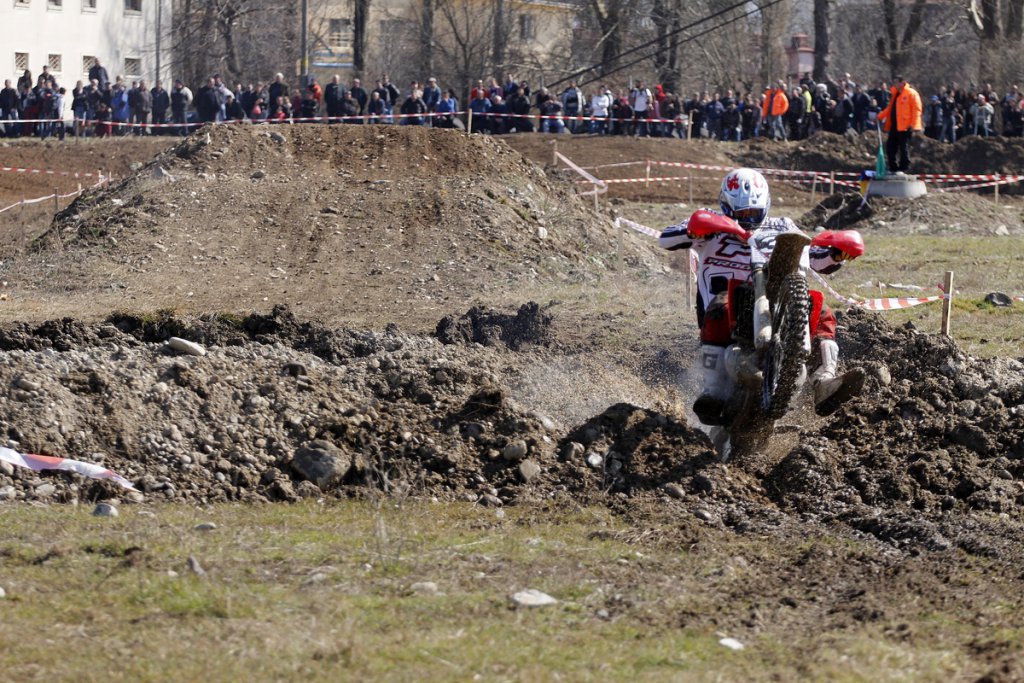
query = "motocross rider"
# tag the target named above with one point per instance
(724, 256)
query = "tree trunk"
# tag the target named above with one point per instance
(500, 38)
(609, 16)
(427, 38)
(893, 48)
(1014, 29)
(822, 39)
(359, 20)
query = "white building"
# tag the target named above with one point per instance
(129, 37)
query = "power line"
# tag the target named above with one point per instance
(682, 42)
(693, 24)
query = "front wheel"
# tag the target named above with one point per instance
(785, 355)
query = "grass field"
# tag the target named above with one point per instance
(326, 592)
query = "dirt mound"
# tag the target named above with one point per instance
(235, 216)
(934, 213)
(488, 327)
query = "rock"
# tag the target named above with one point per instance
(161, 173)
(674, 490)
(1001, 231)
(330, 209)
(731, 643)
(6, 468)
(703, 484)
(704, 515)
(3, 593)
(193, 566)
(595, 460)
(205, 140)
(491, 500)
(135, 165)
(529, 470)
(8, 493)
(425, 587)
(204, 526)
(184, 346)
(998, 298)
(258, 175)
(515, 451)
(105, 510)
(321, 462)
(277, 137)
(542, 232)
(26, 384)
(532, 597)
(573, 450)
(45, 490)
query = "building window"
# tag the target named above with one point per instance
(88, 5)
(339, 35)
(88, 62)
(55, 63)
(132, 67)
(132, 6)
(21, 62)
(21, 3)
(54, 4)
(527, 31)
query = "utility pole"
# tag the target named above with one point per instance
(159, 16)
(304, 65)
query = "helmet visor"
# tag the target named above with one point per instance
(749, 218)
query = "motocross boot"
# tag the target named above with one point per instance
(831, 391)
(710, 405)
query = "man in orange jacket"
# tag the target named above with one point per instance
(901, 118)
(773, 111)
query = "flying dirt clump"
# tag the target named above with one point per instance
(482, 325)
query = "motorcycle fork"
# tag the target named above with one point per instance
(762, 310)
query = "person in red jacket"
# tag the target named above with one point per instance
(773, 111)
(901, 118)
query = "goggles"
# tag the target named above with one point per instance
(750, 216)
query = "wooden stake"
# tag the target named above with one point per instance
(689, 177)
(832, 182)
(689, 282)
(469, 121)
(947, 301)
(554, 152)
(814, 187)
(996, 188)
(647, 178)
(56, 200)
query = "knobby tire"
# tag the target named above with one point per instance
(785, 357)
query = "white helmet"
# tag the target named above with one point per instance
(745, 197)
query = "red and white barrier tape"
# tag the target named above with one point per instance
(1005, 180)
(72, 174)
(651, 232)
(38, 463)
(639, 180)
(599, 185)
(199, 124)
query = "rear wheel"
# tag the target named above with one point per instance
(785, 356)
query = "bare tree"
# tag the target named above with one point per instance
(360, 17)
(609, 15)
(667, 21)
(999, 29)
(822, 38)
(894, 46)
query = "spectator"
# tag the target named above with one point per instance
(446, 111)
(519, 111)
(309, 106)
(389, 93)
(207, 102)
(861, 102)
(511, 88)
(351, 111)
(431, 95)
(79, 107)
(98, 73)
(413, 109)
(120, 112)
(982, 113)
(713, 117)
(161, 103)
(731, 126)
(318, 94)
(360, 95)
(481, 108)
(277, 90)
(774, 109)
(932, 117)
(622, 115)
(498, 121)
(233, 110)
(479, 89)
(900, 119)
(376, 108)
(600, 102)
(334, 95)
(551, 116)
(640, 101)
(571, 100)
(795, 115)
(181, 98)
(143, 108)
(280, 110)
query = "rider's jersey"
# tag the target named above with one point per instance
(723, 257)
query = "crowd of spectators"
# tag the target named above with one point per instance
(100, 105)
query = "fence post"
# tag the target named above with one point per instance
(689, 281)
(832, 182)
(469, 121)
(647, 178)
(554, 152)
(947, 301)
(56, 200)
(814, 186)
(689, 177)
(996, 188)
